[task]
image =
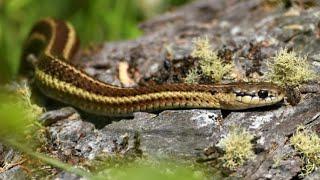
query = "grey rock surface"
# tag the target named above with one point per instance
(315, 175)
(179, 133)
(10, 168)
(68, 176)
(15, 173)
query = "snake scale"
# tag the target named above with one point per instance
(54, 42)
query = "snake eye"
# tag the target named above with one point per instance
(263, 93)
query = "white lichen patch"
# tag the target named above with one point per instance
(258, 121)
(316, 64)
(261, 140)
(204, 118)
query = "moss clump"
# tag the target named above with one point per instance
(210, 64)
(192, 77)
(238, 148)
(289, 69)
(18, 115)
(307, 143)
(35, 132)
(23, 92)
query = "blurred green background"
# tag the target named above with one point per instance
(95, 21)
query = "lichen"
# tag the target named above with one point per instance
(307, 144)
(192, 76)
(210, 64)
(289, 69)
(21, 115)
(237, 147)
(32, 110)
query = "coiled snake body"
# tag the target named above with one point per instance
(54, 42)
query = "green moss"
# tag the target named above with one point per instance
(290, 69)
(31, 110)
(210, 64)
(238, 148)
(18, 117)
(94, 20)
(192, 77)
(307, 143)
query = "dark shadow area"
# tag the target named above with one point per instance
(226, 113)
(100, 121)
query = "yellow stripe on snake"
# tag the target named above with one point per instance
(54, 43)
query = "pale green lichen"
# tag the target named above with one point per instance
(23, 92)
(289, 69)
(238, 148)
(192, 77)
(307, 144)
(210, 64)
(20, 113)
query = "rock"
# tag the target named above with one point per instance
(15, 173)
(179, 133)
(68, 176)
(273, 127)
(315, 175)
(9, 164)
(51, 117)
(171, 132)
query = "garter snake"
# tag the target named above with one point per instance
(54, 43)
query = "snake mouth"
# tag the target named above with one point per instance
(258, 101)
(245, 99)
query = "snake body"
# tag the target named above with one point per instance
(54, 43)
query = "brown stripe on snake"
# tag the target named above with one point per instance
(57, 78)
(66, 42)
(38, 38)
(65, 72)
(61, 39)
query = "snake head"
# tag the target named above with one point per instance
(245, 96)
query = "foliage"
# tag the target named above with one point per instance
(307, 143)
(238, 148)
(94, 20)
(290, 69)
(147, 169)
(210, 64)
(17, 114)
